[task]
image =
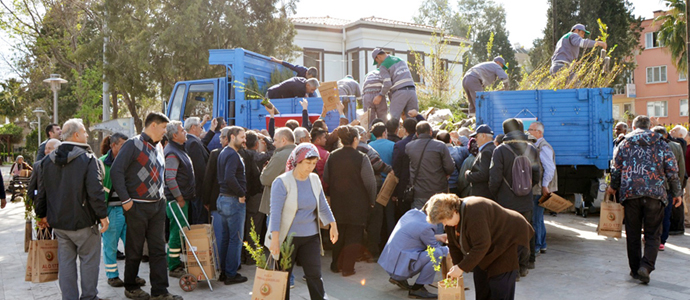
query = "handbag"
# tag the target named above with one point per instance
(408, 194)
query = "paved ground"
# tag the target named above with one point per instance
(579, 265)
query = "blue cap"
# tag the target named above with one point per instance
(579, 27)
(482, 129)
(499, 59)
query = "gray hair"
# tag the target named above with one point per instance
(286, 133)
(540, 126)
(642, 122)
(191, 121)
(313, 82)
(171, 129)
(682, 130)
(625, 125)
(313, 72)
(300, 133)
(71, 127)
(223, 131)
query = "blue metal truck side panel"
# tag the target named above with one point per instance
(578, 122)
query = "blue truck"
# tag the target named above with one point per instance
(578, 124)
(236, 99)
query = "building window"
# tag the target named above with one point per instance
(616, 112)
(682, 77)
(656, 74)
(355, 65)
(651, 40)
(657, 109)
(627, 108)
(684, 107)
(415, 64)
(313, 59)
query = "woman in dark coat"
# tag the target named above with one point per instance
(483, 238)
(351, 185)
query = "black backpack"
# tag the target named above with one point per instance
(522, 174)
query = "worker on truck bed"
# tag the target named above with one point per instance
(397, 80)
(481, 76)
(568, 47)
(301, 71)
(293, 87)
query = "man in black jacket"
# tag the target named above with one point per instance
(501, 178)
(478, 175)
(72, 200)
(199, 155)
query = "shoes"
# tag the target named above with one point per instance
(145, 258)
(335, 269)
(421, 293)
(167, 296)
(348, 273)
(115, 282)
(634, 275)
(137, 294)
(542, 250)
(120, 255)
(235, 279)
(367, 257)
(304, 278)
(140, 281)
(177, 272)
(662, 247)
(676, 232)
(222, 277)
(530, 265)
(292, 281)
(644, 275)
(400, 283)
(523, 272)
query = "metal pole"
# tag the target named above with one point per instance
(687, 46)
(39, 130)
(55, 96)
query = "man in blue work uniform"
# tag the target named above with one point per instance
(568, 47)
(397, 80)
(482, 75)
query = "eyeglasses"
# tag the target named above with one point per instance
(530, 129)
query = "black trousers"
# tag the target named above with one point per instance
(678, 218)
(146, 222)
(308, 253)
(524, 259)
(374, 225)
(499, 287)
(348, 247)
(649, 213)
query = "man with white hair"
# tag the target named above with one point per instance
(547, 184)
(302, 135)
(179, 186)
(199, 156)
(72, 200)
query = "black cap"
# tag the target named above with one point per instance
(482, 129)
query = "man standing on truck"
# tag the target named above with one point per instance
(643, 180)
(398, 81)
(348, 86)
(301, 71)
(568, 47)
(481, 76)
(295, 87)
(371, 87)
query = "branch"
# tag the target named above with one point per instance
(18, 19)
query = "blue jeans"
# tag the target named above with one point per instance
(217, 222)
(538, 224)
(232, 214)
(667, 219)
(116, 231)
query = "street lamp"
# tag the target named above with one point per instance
(55, 81)
(38, 113)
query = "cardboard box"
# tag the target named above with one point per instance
(329, 94)
(202, 238)
(554, 203)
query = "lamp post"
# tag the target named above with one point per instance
(55, 81)
(38, 113)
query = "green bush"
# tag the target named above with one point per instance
(13, 130)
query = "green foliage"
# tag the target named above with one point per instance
(15, 131)
(436, 262)
(438, 84)
(256, 250)
(286, 250)
(32, 142)
(672, 31)
(12, 99)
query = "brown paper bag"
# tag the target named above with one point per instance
(456, 292)
(329, 94)
(446, 264)
(387, 189)
(610, 218)
(28, 231)
(45, 261)
(269, 285)
(30, 260)
(554, 203)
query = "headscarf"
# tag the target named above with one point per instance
(300, 153)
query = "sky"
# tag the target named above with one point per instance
(525, 18)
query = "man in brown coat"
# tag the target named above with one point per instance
(483, 238)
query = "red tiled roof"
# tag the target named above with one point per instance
(327, 21)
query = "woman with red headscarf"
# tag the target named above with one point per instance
(297, 205)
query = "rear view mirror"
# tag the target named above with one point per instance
(199, 98)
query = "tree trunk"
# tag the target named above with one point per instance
(116, 109)
(132, 106)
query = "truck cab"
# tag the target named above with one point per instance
(237, 96)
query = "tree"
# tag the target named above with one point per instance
(672, 33)
(12, 99)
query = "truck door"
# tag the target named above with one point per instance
(177, 102)
(199, 100)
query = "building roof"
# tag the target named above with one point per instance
(328, 21)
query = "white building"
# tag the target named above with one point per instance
(340, 47)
